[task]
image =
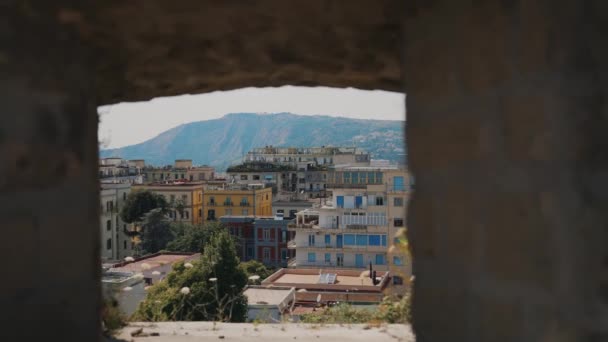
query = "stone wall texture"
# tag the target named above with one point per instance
(506, 127)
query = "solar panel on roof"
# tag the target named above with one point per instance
(327, 278)
(331, 278)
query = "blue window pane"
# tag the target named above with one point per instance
(398, 184)
(327, 257)
(327, 239)
(374, 240)
(383, 240)
(312, 257)
(340, 201)
(349, 239)
(379, 259)
(361, 240)
(358, 201)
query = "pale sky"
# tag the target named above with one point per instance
(132, 123)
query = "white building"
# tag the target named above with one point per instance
(358, 225)
(268, 304)
(115, 244)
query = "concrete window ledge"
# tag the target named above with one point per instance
(208, 331)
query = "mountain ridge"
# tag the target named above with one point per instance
(223, 141)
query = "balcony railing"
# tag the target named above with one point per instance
(211, 204)
(353, 248)
(244, 204)
(228, 204)
(356, 226)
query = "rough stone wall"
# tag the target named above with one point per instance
(154, 48)
(507, 127)
(506, 122)
(48, 177)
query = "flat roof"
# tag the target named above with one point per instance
(267, 295)
(314, 279)
(153, 261)
(294, 203)
(346, 279)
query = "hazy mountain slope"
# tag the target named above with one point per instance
(223, 141)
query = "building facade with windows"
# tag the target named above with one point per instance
(323, 155)
(236, 201)
(182, 169)
(271, 236)
(185, 199)
(241, 228)
(115, 243)
(359, 225)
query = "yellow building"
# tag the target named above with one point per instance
(185, 199)
(240, 201)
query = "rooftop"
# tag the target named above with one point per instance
(352, 280)
(153, 261)
(267, 296)
(177, 182)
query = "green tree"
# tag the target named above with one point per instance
(207, 290)
(141, 202)
(155, 232)
(254, 267)
(192, 238)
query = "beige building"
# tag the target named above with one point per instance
(358, 226)
(185, 199)
(295, 173)
(318, 155)
(115, 244)
(182, 169)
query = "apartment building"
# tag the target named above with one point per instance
(358, 226)
(116, 167)
(185, 199)
(236, 200)
(115, 244)
(318, 155)
(241, 228)
(182, 169)
(280, 177)
(271, 236)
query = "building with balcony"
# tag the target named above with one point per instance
(118, 168)
(282, 178)
(185, 199)
(182, 169)
(236, 200)
(358, 225)
(241, 229)
(271, 237)
(115, 243)
(318, 155)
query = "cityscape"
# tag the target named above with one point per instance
(319, 226)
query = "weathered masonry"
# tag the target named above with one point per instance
(507, 126)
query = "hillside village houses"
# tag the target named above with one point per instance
(339, 210)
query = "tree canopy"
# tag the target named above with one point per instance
(254, 267)
(155, 232)
(192, 238)
(210, 289)
(139, 203)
